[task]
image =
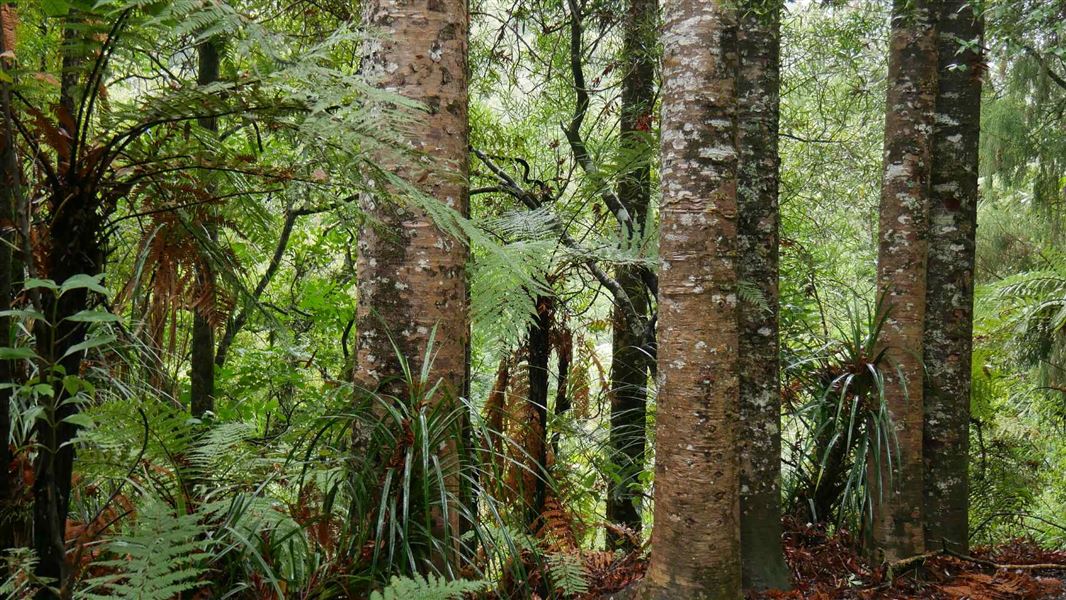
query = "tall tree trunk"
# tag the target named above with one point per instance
(412, 275)
(202, 361)
(629, 360)
(539, 346)
(74, 224)
(696, 539)
(896, 493)
(949, 296)
(10, 187)
(758, 96)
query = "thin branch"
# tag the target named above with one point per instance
(577, 143)
(621, 298)
(234, 325)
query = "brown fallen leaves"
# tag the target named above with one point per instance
(828, 567)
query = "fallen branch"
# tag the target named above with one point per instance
(905, 564)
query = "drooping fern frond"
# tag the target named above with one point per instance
(160, 556)
(429, 587)
(567, 574)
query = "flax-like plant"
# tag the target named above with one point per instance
(846, 438)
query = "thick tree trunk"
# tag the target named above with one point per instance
(10, 184)
(696, 539)
(412, 275)
(949, 297)
(202, 361)
(896, 493)
(629, 361)
(758, 96)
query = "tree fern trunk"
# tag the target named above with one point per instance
(202, 361)
(539, 346)
(75, 248)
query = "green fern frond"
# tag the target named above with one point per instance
(567, 574)
(161, 556)
(430, 587)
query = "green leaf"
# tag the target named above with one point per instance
(92, 316)
(90, 343)
(33, 283)
(55, 8)
(23, 313)
(9, 353)
(83, 281)
(81, 420)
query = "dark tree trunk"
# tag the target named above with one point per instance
(10, 187)
(202, 361)
(758, 97)
(74, 223)
(629, 360)
(539, 346)
(949, 297)
(695, 546)
(896, 493)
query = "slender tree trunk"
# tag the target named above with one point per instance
(74, 224)
(202, 361)
(896, 493)
(696, 539)
(949, 297)
(629, 361)
(539, 346)
(10, 187)
(758, 94)
(412, 275)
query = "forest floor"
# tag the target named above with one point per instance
(829, 567)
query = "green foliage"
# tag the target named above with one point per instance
(429, 587)
(567, 574)
(160, 556)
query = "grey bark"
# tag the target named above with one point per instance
(896, 493)
(949, 297)
(759, 438)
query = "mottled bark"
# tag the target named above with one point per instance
(896, 493)
(696, 539)
(10, 185)
(949, 297)
(202, 361)
(759, 434)
(629, 360)
(412, 275)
